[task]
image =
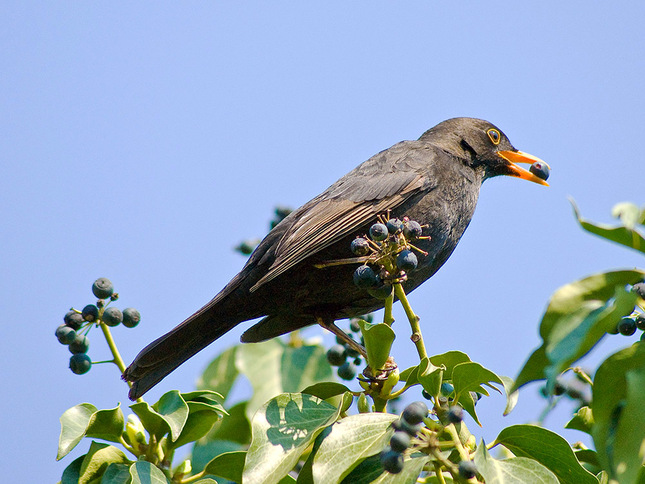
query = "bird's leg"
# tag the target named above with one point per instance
(331, 326)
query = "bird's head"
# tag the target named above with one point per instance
(483, 146)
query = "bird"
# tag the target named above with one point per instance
(434, 180)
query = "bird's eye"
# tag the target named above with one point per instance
(494, 136)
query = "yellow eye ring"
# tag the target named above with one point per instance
(494, 136)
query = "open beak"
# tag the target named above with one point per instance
(513, 157)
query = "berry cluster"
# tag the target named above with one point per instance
(387, 253)
(405, 429)
(339, 354)
(77, 324)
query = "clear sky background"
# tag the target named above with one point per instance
(142, 141)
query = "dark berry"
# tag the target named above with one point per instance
(406, 260)
(360, 247)
(112, 316)
(74, 320)
(455, 414)
(410, 429)
(640, 322)
(426, 395)
(467, 469)
(347, 371)
(447, 389)
(281, 213)
(400, 441)
(394, 226)
(100, 303)
(559, 388)
(102, 288)
(80, 363)
(358, 361)
(381, 292)
(412, 230)
(627, 326)
(90, 312)
(80, 344)
(639, 289)
(415, 413)
(65, 334)
(392, 461)
(247, 247)
(336, 355)
(351, 352)
(378, 232)
(354, 326)
(131, 317)
(476, 397)
(364, 277)
(540, 170)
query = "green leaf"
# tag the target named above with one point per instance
(582, 420)
(116, 474)
(617, 404)
(144, 472)
(449, 360)
(547, 448)
(470, 376)
(378, 343)
(430, 376)
(516, 470)
(204, 452)
(325, 390)
(210, 397)
(366, 472)
(350, 440)
(97, 460)
(198, 424)
(624, 235)
(169, 414)
(228, 465)
(410, 375)
(220, 374)
(234, 427)
(106, 425)
(73, 424)
(511, 396)
(412, 467)
(282, 429)
(72, 472)
(273, 368)
(577, 317)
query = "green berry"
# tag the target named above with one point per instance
(400, 441)
(131, 317)
(112, 316)
(378, 232)
(347, 371)
(90, 313)
(65, 334)
(102, 288)
(337, 355)
(80, 363)
(81, 344)
(392, 461)
(467, 469)
(74, 320)
(415, 413)
(626, 326)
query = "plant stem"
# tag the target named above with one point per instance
(387, 317)
(463, 453)
(118, 361)
(439, 473)
(416, 337)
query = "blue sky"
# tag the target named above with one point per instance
(143, 141)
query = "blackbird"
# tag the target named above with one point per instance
(434, 180)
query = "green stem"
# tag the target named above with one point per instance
(387, 317)
(194, 478)
(463, 453)
(118, 361)
(439, 473)
(379, 404)
(417, 337)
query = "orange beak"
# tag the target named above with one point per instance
(513, 157)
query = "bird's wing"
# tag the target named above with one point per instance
(383, 182)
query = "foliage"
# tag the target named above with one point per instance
(298, 425)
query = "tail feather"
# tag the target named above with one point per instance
(162, 356)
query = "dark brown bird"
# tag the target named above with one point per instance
(434, 180)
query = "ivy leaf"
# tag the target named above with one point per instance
(282, 429)
(617, 405)
(228, 465)
(97, 460)
(516, 470)
(220, 374)
(350, 440)
(106, 425)
(582, 420)
(143, 472)
(378, 342)
(547, 448)
(73, 424)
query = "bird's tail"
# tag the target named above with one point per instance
(162, 356)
